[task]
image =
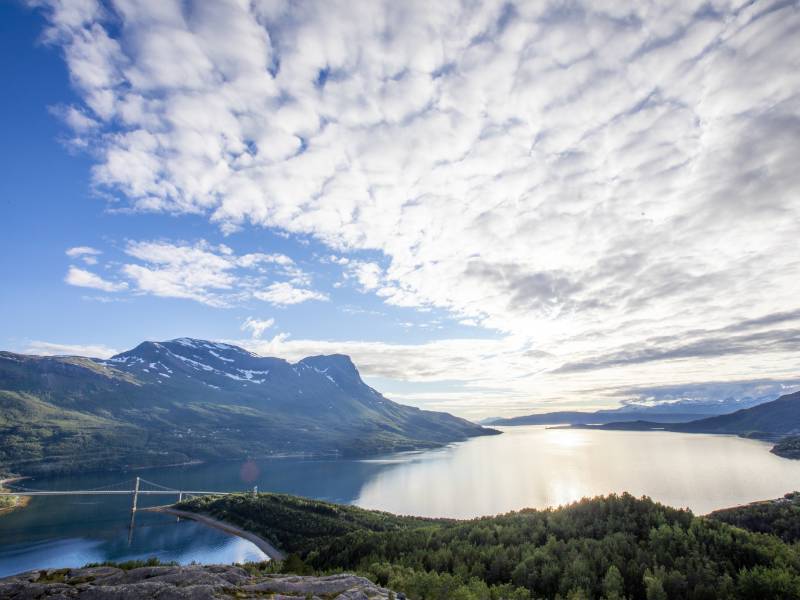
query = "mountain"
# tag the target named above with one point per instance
(777, 418)
(665, 412)
(187, 399)
(771, 420)
(593, 418)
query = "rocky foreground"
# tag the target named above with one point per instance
(198, 582)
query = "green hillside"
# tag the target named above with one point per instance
(779, 517)
(172, 402)
(611, 548)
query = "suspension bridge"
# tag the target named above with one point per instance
(134, 488)
(142, 487)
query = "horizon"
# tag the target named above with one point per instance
(730, 401)
(538, 209)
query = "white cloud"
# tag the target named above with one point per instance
(283, 293)
(198, 272)
(85, 253)
(83, 278)
(79, 251)
(212, 275)
(257, 326)
(54, 349)
(592, 177)
(369, 275)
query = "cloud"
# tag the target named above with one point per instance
(776, 340)
(85, 253)
(589, 177)
(51, 348)
(712, 392)
(200, 272)
(79, 251)
(510, 375)
(369, 275)
(284, 293)
(211, 274)
(257, 326)
(82, 278)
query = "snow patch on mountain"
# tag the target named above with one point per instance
(230, 360)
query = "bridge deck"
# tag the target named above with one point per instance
(115, 492)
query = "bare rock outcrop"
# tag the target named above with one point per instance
(196, 582)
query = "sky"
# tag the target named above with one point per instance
(495, 208)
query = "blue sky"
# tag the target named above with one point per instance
(538, 209)
(49, 207)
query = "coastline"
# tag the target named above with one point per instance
(21, 501)
(264, 545)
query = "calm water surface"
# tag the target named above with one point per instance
(524, 467)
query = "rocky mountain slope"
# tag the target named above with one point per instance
(186, 399)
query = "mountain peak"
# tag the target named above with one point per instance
(225, 366)
(342, 361)
(197, 344)
(195, 399)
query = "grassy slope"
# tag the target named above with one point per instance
(32, 430)
(299, 525)
(70, 414)
(610, 547)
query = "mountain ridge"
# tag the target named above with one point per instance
(188, 399)
(672, 412)
(770, 420)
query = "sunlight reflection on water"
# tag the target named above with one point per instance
(538, 467)
(525, 467)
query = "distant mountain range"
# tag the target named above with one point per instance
(771, 420)
(186, 399)
(673, 412)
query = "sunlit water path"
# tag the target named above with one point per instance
(524, 467)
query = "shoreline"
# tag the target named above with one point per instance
(187, 463)
(21, 502)
(304, 455)
(264, 545)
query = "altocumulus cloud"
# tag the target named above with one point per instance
(203, 272)
(591, 176)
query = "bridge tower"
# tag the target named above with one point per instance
(135, 495)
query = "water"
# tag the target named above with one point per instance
(524, 467)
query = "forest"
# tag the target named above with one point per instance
(779, 517)
(612, 548)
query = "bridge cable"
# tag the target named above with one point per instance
(158, 485)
